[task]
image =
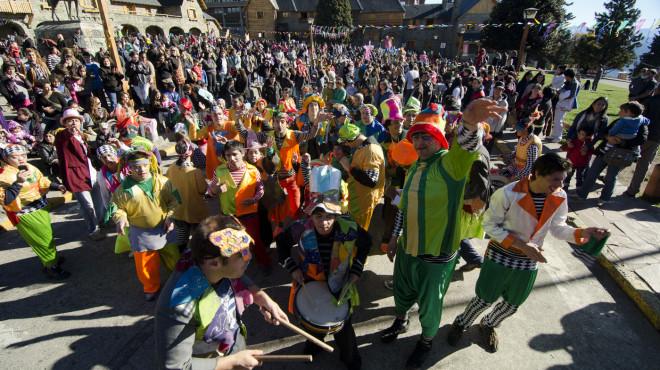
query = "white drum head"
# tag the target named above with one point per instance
(315, 304)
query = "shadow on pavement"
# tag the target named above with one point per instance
(580, 340)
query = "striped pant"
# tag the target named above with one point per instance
(495, 281)
(493, 319)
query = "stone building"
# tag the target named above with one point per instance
(454, 40)
(36, 19)
(266, 17)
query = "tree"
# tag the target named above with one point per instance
(651, 59)
(611, 43)
(541, 47)
(334, 13)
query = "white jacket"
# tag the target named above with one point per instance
(512, 213)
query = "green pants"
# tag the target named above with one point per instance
(496, 280)
(35, 228)
(425, 283)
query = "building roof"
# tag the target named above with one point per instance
(153, 3)
(465, 6)
(421, 11)
(365, 6)
(171, 2)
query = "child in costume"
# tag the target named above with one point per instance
(145, 204)
(520, 216)
(23, 190)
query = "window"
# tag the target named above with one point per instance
(303, 15)
(192, 14)
(284, 14)
(429, 22)
(260, 15)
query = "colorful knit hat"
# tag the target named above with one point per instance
(391, 109)
(348, 132)
(430, 121)
(412, 106)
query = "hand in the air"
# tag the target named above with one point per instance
(391, 249)
(597, 233)
(241, 360)
(533, 251)
(121, 225)
(479, 110)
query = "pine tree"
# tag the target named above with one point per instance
(612, 42)
(540, 48)
(334, 13)
(651, 59)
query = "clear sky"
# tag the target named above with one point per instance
(584, 10)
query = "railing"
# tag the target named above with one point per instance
(16, 7)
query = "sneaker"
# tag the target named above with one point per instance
(55, 272)
(419, 355)
(96, 235)
(60, 261)
(455, 334)
(149, 297)
(490, 338)
(399, 326)
(603, 203)
(469, 267)
(389, 284)
(629, 195)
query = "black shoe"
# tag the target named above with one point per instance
(60, 261)
(354, 365)
(150, 297)
(419, 355)
(55, 272)
(490, 338)
(455, 334)
(390, 334)
(311, 349)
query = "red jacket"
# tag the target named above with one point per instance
(575, 155)
(74, 165)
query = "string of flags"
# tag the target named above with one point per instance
(544, 29)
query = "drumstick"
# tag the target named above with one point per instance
(309, 337)
(283, 358)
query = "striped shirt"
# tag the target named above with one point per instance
(506, 257)
(237, 177)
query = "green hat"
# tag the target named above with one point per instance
(413, 105)
(348, 132)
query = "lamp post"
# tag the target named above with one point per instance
(461, 35)
(529, 14)
(310, 21)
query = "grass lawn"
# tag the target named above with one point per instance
(614, 94)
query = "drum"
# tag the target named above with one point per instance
(315, 307)
(497, 181)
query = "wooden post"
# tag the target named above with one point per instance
(109, 30)
(523, 43)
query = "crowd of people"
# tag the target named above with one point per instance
(299, 146)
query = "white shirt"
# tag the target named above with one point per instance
(410, 78)
(557, 82)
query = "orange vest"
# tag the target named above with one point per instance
(231, 201)
(289, 147)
